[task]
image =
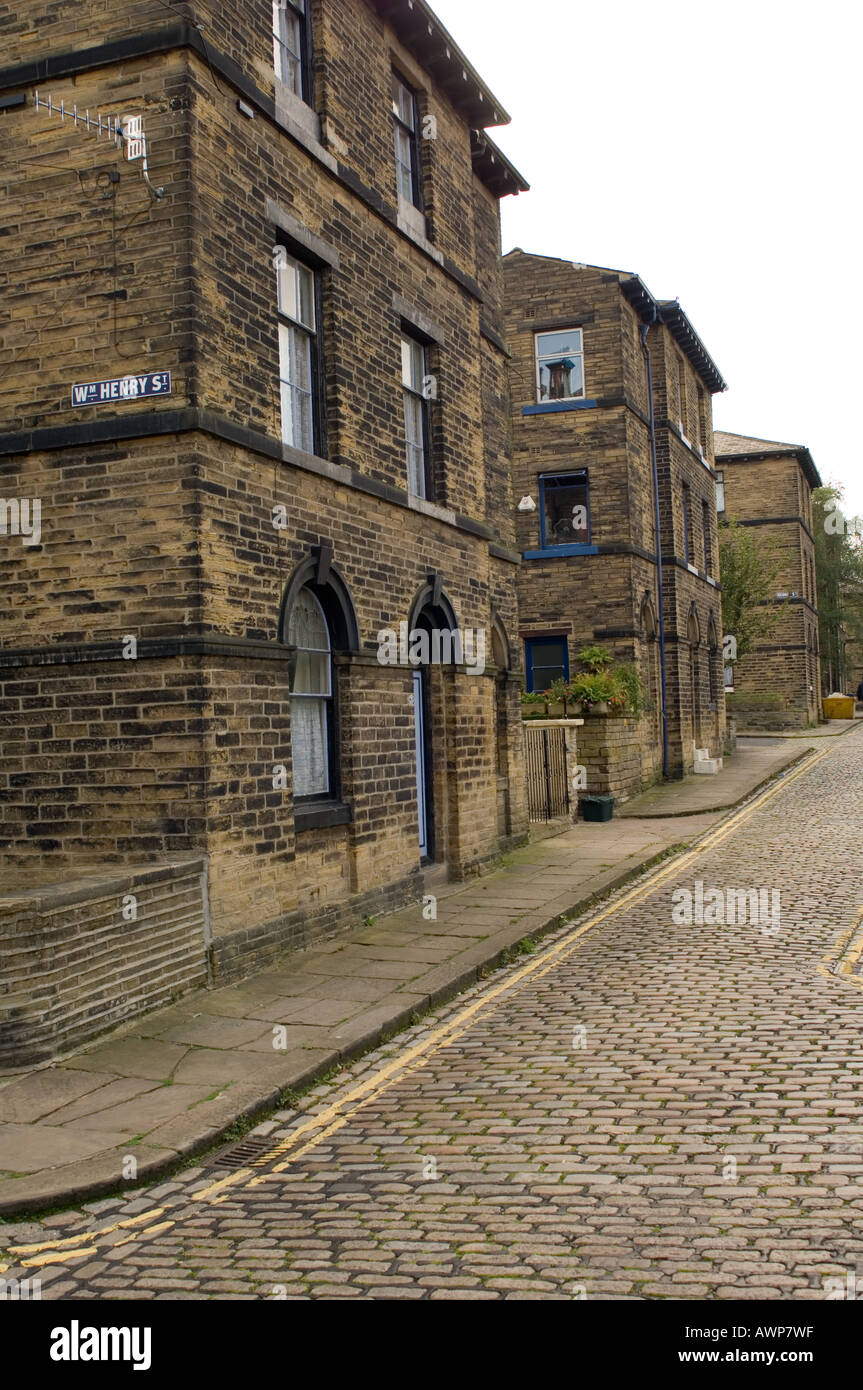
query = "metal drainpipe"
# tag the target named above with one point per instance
(646, 350)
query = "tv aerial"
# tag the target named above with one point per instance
(125, 132)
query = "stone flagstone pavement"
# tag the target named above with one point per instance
(166, 1086)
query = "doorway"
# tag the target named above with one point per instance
(423, 765)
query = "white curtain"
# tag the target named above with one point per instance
(309, 747)
(308, 631)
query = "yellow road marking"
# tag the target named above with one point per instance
(56, 1257)
(841, 959)
(399, 1067)
(147, 1231)
(333, 1118)
(207, 1193)
(87, 1235)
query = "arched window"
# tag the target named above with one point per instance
(310, 671)
(648, 618)
(317, 618)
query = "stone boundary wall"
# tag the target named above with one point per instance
(72, 965)
(610, 748)
(245, 953)
(783, 715)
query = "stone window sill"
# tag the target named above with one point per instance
(319, 815)
(303, 123)
(414, 225)
(550, 551)
(552, 407)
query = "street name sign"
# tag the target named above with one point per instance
(122, 388)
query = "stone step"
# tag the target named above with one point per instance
(707, 767)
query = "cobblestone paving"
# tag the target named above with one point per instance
(668, 1111)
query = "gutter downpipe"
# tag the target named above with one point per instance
(646, 350)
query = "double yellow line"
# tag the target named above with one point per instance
(318, 1127)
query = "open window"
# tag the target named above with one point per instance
(564, 515)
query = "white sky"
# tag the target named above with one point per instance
(716, 151)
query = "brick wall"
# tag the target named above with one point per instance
(157, 516)
(89, 952)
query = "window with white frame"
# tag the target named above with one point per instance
(681, 396)
(417, 433)
(408, 158)
(559, 366)
(289, 45)
(687, 525)
(720, 490)
(310, 672)
(298, 350)
(702, 419)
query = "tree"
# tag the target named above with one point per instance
(748, 569)
(839, 584)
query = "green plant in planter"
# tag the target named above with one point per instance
(557, 691)
(593, 688)
(595, 658)
(614, 687)
(629, 683)
(534, 703)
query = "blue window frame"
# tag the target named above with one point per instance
(564, 509)
(546, 659)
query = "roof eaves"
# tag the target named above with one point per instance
(420, 30)
(798, 451)
(669, 312)
(673, 316)
(492, 166)
(639, 296)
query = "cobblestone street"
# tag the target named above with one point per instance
(638, 1109)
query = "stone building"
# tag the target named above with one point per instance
(219, 739)
(854, 662)
(768, 485)
(605, 381)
